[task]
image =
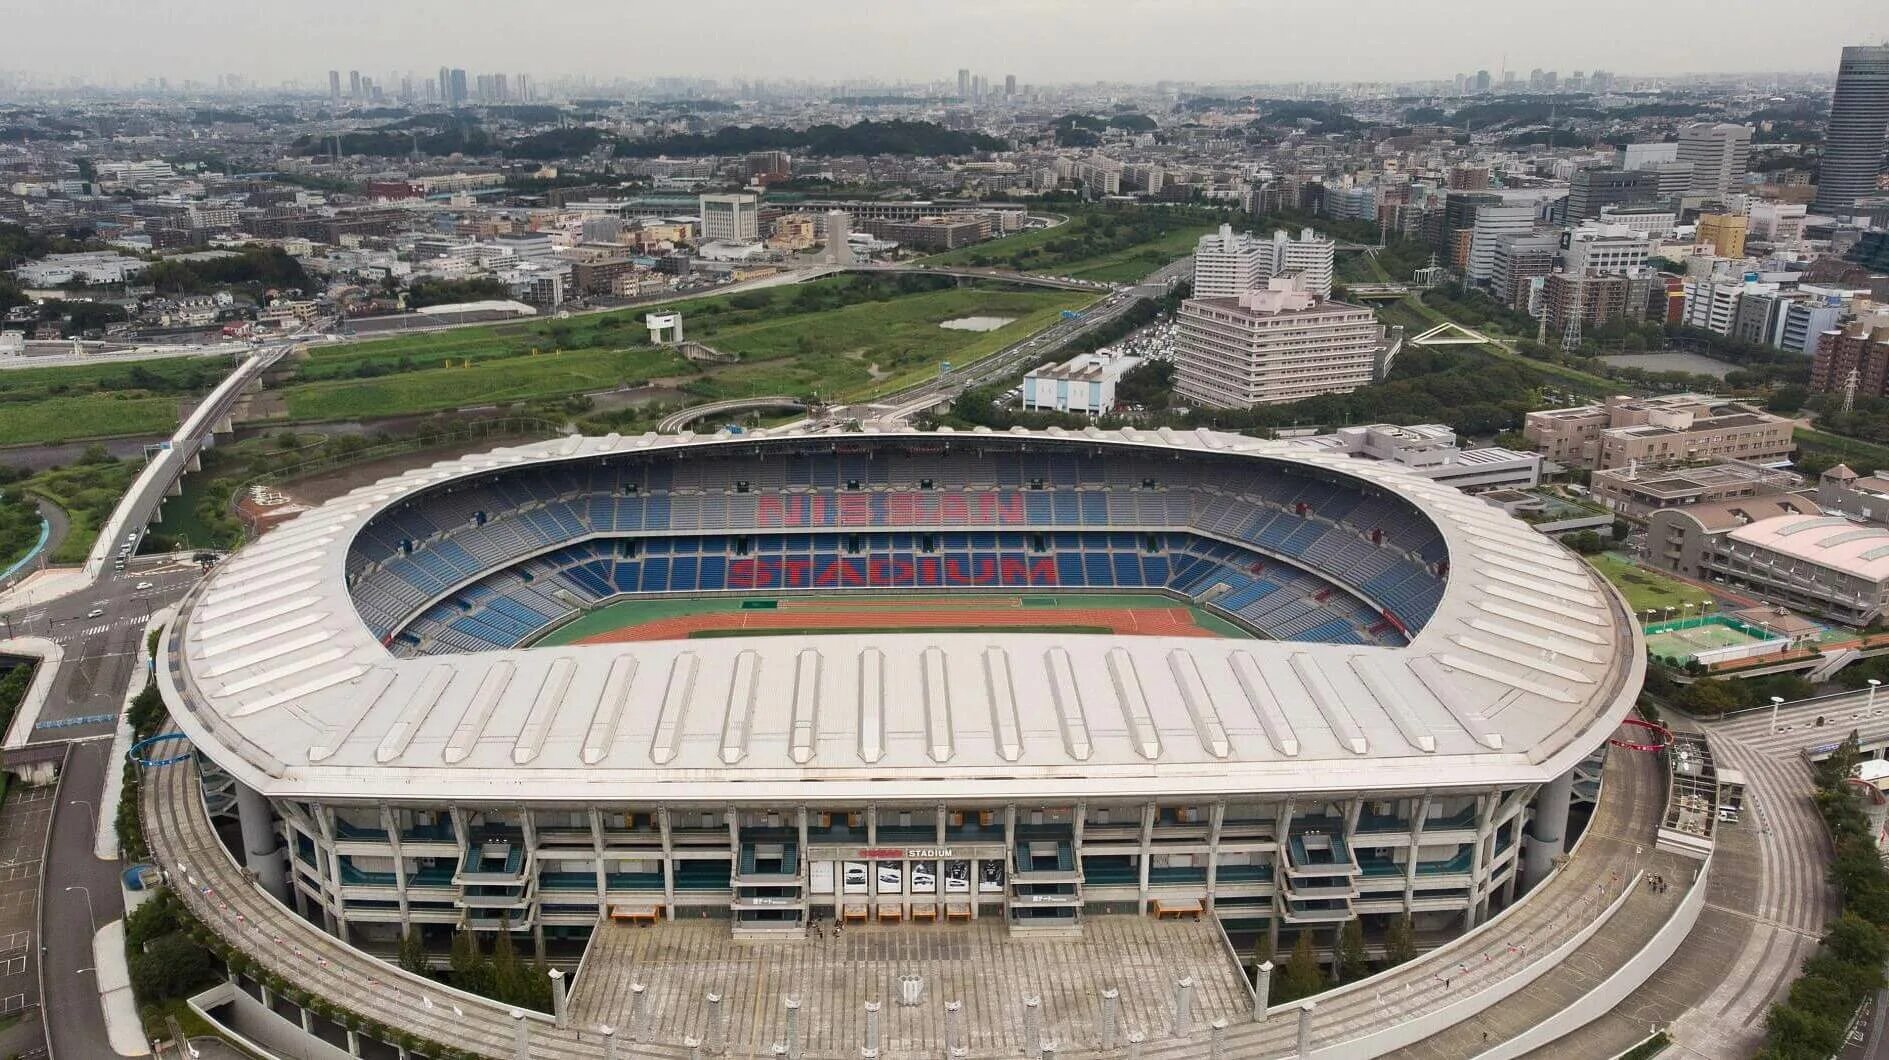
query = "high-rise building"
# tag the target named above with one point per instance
(731, 218)
(1718, 152)
(964, 83)
(334, 86)
(1861, 346)
(1646, 156)
(839, 231)
(354, 84)
(1483, 81)
(1226, 265)
(1592, 189)
(1274, 345)
(1491, 224)
(1010, 86)
(1605, 248)
(1519, 260)
(1858, 132)
(445, 86)
(457, 94)
(1310, 256)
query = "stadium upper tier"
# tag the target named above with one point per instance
(1410, 623)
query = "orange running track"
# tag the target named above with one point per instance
(1158, 622)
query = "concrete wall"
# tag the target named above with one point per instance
(261, 1030)
(49, 656)
(1615, 989)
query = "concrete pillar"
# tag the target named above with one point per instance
(792, 1005)
(1032, 1019)
(558, 998)
(609, 1042)
(521, 1036)
(1111, 1014)
(1305, 1028)
(354, 1043)
(1262, 992)
(717, 1024)
(693, 1045)
(1134, 1045)
(1183, 1006)
(308, 1022)
(954, 1011)
(1218, 1040)
(872, 1027)
(637, 991)
(262, 848)
(1547, 833)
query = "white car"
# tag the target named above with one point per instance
(146, 585)
(96, 612)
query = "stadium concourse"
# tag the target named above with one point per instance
(901, 689)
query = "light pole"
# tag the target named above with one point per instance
(91, 920)
(1776, 702)
(91, 814)
(1873, 683)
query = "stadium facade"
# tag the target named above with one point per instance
(1399, 731)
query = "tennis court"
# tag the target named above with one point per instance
(1689, 637)
(1143, 614)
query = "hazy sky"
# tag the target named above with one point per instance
(1039, 40)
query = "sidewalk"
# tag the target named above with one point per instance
(114, 991)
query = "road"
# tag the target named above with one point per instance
(75, 1022)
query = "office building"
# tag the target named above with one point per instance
(731, 218)
(1084, 384)
(1718, 153)
(1674, 428)
(1468, 178)
(1725, 232)
(334, 86)
(1637, 492)
(1803, 321)
(1605, 248)
(354, 84)
(1672, 180)
(458, 94)
(1646, 156)
(1492, 224)
(770, 165)
(1010, 86)
(1518, 262)
(839, 230)
(1712, 302)
(1277, 344)
(1655, 222)
(1593, 189)
(1858, 132)
(964, 83)
(1776, 223)
(1862, 347)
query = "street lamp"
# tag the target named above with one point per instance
(1776, 702)
(1873, 682)
(91, 919)
(91, 814)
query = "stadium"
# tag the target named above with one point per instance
(902, 677)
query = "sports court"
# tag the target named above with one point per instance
(1689, 637)
(1143, 614)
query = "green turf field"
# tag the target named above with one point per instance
(625, 613)
(1683, 643)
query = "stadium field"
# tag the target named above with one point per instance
(679, 619)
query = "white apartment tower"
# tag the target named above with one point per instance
(1227, 265)
(731, 218)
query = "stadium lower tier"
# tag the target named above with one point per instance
(1264, 594)
(1446, 859)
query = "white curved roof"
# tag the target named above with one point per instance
(1527, 665)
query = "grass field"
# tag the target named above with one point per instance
(836, 352)
(484, 382)
(48, 420)
(1032, 613)
(1030, 251)
(1645, 589)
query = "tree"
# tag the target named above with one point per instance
(471, 971)
(1302, 977)
(1400, 940)
(1353, 962)
(508, 972)
(413, 952)
(171, 966)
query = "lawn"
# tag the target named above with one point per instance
(48, 420)
(836, 352)
(1110, 245)
(483, 382)
(1645, 589)
(87, 492)
(1125, 266)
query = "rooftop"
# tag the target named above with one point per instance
(1828, 541)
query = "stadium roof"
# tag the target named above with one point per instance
(1828, 541)
(1527, 665)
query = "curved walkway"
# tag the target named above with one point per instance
(188, 848)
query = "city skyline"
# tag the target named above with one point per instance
(1042, 41)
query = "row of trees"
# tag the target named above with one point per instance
(252, 266)
(501, 975)
(1810, 1022)
(1304, 975)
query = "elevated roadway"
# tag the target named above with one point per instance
(678, 420)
